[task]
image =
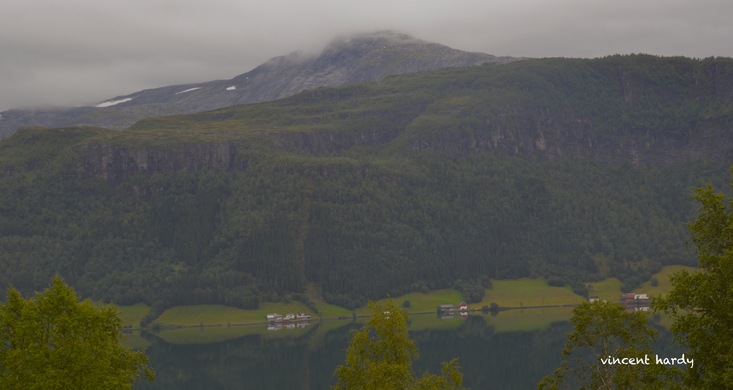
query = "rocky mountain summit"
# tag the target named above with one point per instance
(346, 60)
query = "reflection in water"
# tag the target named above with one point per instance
(489, 359)
(273, 326)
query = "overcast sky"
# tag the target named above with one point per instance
(76, 52)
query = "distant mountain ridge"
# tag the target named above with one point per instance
(347, 60)
(571, 170)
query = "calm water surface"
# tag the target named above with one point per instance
(494, 352)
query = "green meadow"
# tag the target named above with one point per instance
(608, 289)
(421, 302)
(131, 315)
(518, 293)
(325, 310)
(515, 320)
(664, 285)
(197, 315)
(527, 292)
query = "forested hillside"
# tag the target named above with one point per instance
(568, 169)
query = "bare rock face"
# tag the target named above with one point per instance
(347, 60)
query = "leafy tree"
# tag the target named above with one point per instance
(473, 291)
(700, 302)
(602, 330)
(55, 341)
(494, 307)
(380, 357)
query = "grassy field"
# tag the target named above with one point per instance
(608, 289)
(528, 292)
(420, 302)
(506, 293)
(664, 285)
(196, 315)
(131, 315)
(516, 320)
(325, 310)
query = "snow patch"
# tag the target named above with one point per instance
(231, 88)
(188, 90)
(110, 103)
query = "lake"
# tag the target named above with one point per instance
(512, 350)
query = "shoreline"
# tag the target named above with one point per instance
(162, 327)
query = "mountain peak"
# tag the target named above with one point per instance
(385, 36)
(349, 59)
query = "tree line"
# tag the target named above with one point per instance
(417, 181)
(359, 231)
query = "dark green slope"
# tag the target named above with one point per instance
(566, 169)
(621, 109)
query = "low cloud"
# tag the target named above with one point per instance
(82, 51)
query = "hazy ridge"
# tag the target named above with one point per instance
(568, 169)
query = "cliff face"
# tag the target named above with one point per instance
(553, 144)
(578, 139)
(113, 163)
(637, 110)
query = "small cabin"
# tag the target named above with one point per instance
(274, 317)
(302, 317)
(634, 297)
(463, 306)
(628, 297)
